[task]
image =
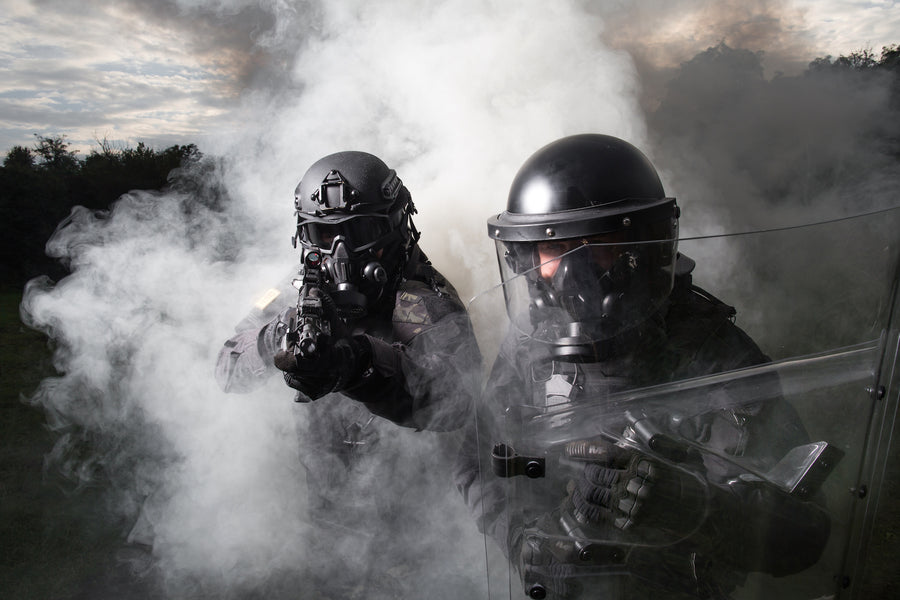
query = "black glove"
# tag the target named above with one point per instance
(614, 489)
(623, 487)
(555, 566)
(546, 571)
(331, 369)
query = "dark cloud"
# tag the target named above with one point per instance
(818, 140)
(662, 35)
(238, 40)
(745, 153)
(239, 48)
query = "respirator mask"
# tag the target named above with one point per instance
(586, 293)
(355, 211)
(354, 251)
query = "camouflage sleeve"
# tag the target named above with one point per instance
(244, 363)
(428, 377)
(240, 367)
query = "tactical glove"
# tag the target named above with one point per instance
(624, 487)
(331, 369)
(614, 492)
(546, 572)
(268, 342)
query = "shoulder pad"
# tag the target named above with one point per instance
(421, 306)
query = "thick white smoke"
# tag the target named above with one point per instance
(454, 97)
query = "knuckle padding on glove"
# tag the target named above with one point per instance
(607, 494)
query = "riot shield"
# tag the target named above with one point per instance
(616, 464)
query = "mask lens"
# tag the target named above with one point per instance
(366, 231)
(320, 235)
(358, 233)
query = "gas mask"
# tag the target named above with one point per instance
(586, 291)
(596, 292)
(356, 211)
(354, 280)
(581, 291)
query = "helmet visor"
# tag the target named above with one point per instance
(359, 233)
(584, 288)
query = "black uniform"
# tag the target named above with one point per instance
(745, 530)
(372, 490)
(425, 362)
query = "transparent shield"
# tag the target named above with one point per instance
(651, 466)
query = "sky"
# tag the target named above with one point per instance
(176, 71)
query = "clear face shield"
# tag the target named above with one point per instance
(581, 292)
(752, 482)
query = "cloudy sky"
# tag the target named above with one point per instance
(175, 71)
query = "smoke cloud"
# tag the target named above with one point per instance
(748, 153)
(454, 96)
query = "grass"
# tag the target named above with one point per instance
(55, 545)
(24, 361)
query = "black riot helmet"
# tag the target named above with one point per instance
(356, 211)
(588, 241)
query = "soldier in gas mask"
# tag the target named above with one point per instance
(401, 339)
(651, 503)
(399, 348)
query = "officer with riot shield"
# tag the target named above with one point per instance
(590, 493)
(370, 335)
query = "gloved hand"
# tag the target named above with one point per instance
(546, 572)
(624, 487)
(331, 369)
(555, 564)
(613, 488)
(268, 342)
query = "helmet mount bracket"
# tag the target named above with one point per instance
(334, 194)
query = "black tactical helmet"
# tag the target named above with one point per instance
(357, 212)
(598, 202)
(582, 185)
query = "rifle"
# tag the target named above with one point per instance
(309, 328)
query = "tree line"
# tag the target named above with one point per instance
(40, 185)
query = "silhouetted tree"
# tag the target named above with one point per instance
(19, 157)
(54, 154)
(860, 60)
(890, 57)
(39, 187)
